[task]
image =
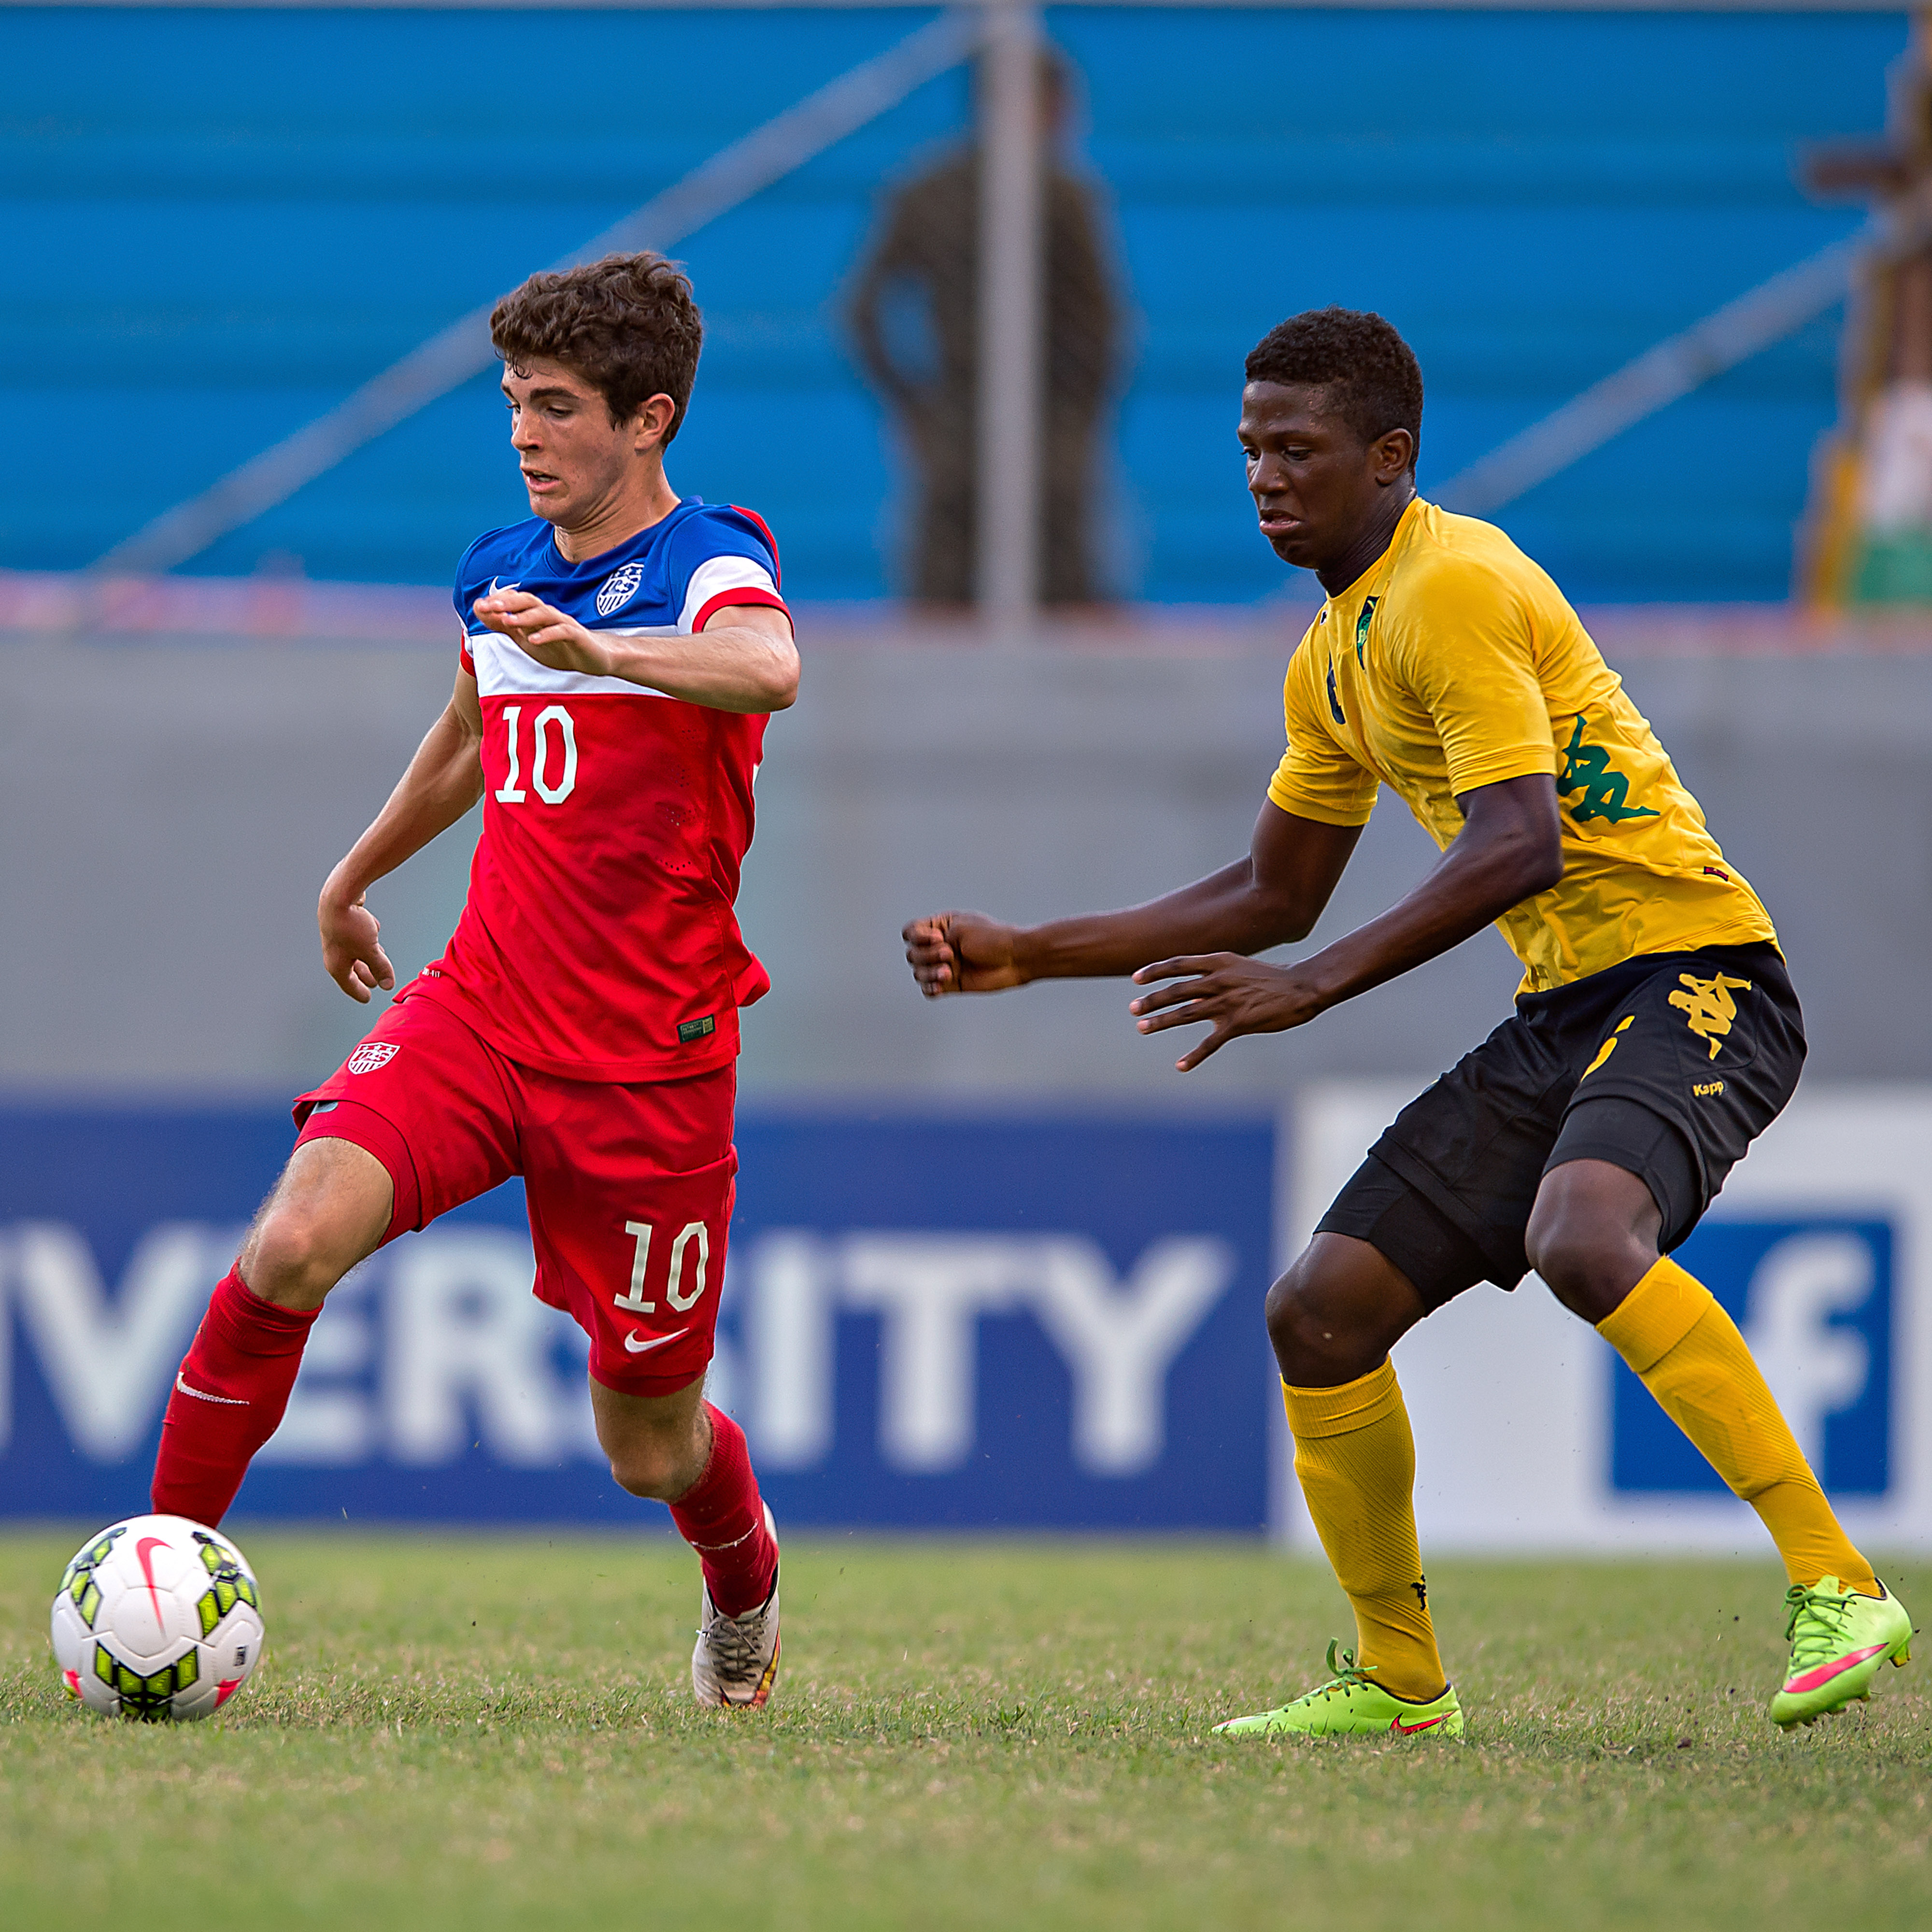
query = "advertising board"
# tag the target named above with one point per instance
(1020, 1323)
(1531, 1433)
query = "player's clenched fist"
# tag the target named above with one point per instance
(963, 952)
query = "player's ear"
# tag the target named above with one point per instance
(1392, 456)
(652, 420)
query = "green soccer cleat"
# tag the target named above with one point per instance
(1838, 1639)
(1349, 1706)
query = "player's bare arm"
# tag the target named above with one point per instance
(1509, 849)
(1273, 896)
(443, 781)
(747, 660)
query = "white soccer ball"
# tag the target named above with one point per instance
(157, 1618)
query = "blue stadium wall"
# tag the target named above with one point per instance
(220, 221)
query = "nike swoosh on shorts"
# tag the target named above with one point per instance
(636, 1347)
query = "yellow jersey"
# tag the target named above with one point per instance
(1454, 662)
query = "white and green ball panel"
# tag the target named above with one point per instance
(157, 1618)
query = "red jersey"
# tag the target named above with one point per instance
(599, 941)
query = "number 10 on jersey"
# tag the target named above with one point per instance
(553, 717)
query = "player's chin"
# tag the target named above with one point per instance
(1292, 547)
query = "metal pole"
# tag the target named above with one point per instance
(1012, 262)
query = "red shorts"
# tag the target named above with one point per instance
(629, 1187)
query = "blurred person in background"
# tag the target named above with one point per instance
(915, 318)
(1871, 521)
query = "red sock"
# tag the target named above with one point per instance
(722, 1516)
(228, 1400)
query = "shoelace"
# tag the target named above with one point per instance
(1344, 1676)
(1816, 1627)
(734, 1646)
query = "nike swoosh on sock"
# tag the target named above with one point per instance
(202, 1395)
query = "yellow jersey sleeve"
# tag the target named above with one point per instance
(1317, 778)
(1474, 670)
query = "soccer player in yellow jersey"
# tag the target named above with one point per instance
(1655, 1035)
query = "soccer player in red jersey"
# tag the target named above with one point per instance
(622, 650)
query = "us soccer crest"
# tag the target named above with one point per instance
(371, 1054)
(618, 588)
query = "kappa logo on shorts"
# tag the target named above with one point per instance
(371, 1054)
(1708, 1007)
(618, 588)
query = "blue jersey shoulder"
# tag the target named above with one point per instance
(722, 530)
(640, 583)
(503, 553)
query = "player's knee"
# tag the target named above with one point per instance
(659, 1467)
(294, 1256)
(660, 1459)
(1303, 1328)
(1587, 1264)
(331, 1208)
(1285, 1313)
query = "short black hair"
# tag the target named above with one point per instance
(1374, 380)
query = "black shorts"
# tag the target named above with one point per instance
(1668, 1066)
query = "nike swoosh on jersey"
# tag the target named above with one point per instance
(636, 1347)
(202, 1395)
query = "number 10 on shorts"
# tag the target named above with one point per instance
(640, 1232)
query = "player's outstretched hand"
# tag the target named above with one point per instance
(542, 631)
(962, 952)
(1236, 995)
(351, 953)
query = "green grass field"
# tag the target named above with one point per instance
(470, 1732)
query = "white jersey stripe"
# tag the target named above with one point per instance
(717, 573)
(505, 669)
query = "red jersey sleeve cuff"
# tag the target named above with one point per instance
(728, 599)
(463, 657)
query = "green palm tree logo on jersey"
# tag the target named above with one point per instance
(1586, 768)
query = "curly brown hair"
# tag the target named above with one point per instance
(628, 324)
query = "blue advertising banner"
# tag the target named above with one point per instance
(967, 1323)
(1813, 1298)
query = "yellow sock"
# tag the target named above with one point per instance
(1356, 1459)
(1674, 1333)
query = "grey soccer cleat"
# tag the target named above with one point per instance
(737, 1658)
